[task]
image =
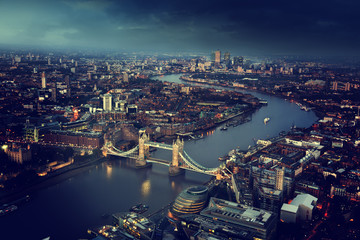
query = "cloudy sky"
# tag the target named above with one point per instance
(248, 27)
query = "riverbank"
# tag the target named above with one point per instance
(49, 180)
(242, 115)
(318, 112)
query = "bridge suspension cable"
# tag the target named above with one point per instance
(192, 161)
(118, 152)
(196, 166)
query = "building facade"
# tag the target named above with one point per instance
(107, 102)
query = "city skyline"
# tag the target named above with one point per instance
(241, 27)
(96, 134)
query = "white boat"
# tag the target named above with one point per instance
(224, 128)
(266, 120)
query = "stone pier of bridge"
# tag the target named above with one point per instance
(174, 167)
(144, 152)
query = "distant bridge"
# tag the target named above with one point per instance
(180, 159)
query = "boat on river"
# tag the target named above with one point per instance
(263, 101)
(139, 208)
(8, 209)
(224, 128)
(266, 120)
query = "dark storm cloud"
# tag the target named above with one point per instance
(244, 27)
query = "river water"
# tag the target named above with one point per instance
(67, 208)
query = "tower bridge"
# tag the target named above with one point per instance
(180, 159)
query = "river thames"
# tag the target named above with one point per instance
(67, 208)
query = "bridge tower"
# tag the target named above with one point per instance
(174, 167)
(143, 150)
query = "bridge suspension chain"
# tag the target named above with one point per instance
(127, 153)
(188, 160)
(192, 161)
(200, 166)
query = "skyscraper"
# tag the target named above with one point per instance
(227, 58)
(68, 86)
(334, 86)
(238, 61)
(107, 102)
(125, 77)
(217, 57)
(279, 182)
(53, 92)
(43, 80)
(347, 86)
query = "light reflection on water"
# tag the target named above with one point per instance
(108, 171)
(146, 188)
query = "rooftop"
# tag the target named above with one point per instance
(305, 199)
(237, 213)
(270, 191)
(289, 208)
(197, 190)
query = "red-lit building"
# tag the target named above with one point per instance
(92, 140)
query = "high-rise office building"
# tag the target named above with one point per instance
(53, 92)
(125, 77)
(274, 180)
(227, 58)
(68, 86)
(107, 102)
(347, 86)
(212, 57)
(334, 85)
(217, 57)
(279, 183)
(67, 81)
(43, 80)
(238, 61)
(341, 86)
(17, 59)
(269, 199)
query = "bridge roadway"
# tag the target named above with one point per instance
(156, 160)
(159, 145)
(167, 163)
